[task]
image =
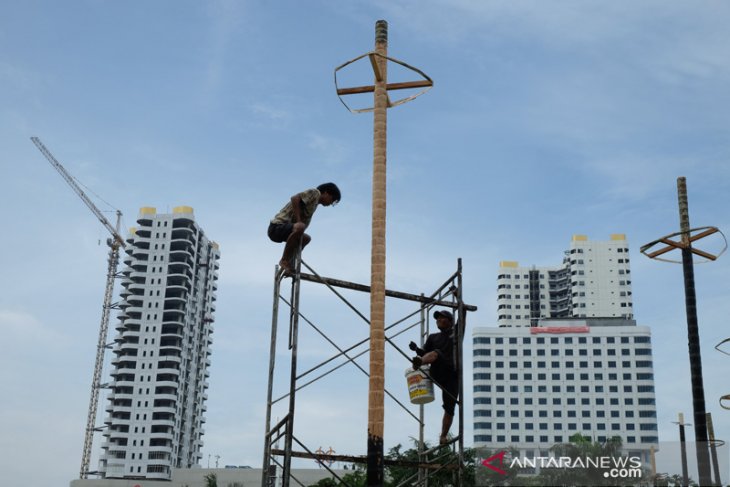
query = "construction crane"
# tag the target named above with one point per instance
(114, 243)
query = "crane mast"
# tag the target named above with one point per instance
(115, 244)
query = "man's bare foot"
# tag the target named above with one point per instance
(443, 440)
(285, 266)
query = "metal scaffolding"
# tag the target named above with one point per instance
(442, 457)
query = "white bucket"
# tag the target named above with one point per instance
(420, 387)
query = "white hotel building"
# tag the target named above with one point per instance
(155, 413)
(567, 356)
(594, 280)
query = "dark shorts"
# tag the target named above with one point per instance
(449, 392)
(279, 232)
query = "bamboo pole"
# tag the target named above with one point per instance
(376, 403)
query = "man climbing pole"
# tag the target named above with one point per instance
(438, 351)
(289, 224)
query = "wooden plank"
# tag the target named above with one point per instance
(376, 68)
(673, 243)
(704, 254)
(661, 251)
(390, 86)
(706, 233)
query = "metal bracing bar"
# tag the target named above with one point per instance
(322, 463)
(361, 342)
(352, 360)
(411, 297)
(436, 448)
(314, 277)
(323, 375)
(278, 436)
(290, 475)
(358, 459)
(364, 340)
(278, 426)
(338, 366)
(425, 480)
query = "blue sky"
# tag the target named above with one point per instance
(547, 119)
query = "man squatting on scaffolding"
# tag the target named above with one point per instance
(289, 224)
(438, 351)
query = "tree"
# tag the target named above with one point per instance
(581, 447)
(395, 475)
(211, 480)
(354, 479)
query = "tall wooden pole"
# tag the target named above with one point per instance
(376, 403)
(693, 338)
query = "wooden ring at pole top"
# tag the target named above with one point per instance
(726, 397)
(391, 104)
(709, 230)
(717, 347)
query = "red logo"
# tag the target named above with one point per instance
(488, 463)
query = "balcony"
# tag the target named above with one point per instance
(183, 223)
(180, 268)
(130, 337)
(171, 343)
(167, 374)
(115, 410)
(159, 455)
(161, 435)
(138, 277)
(168, 382)
(166, 399)
(175, 300)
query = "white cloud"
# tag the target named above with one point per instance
(331, 151)
(226, 18)
(272, 113)
(22, 329)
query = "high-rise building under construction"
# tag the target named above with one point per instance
(156, 404)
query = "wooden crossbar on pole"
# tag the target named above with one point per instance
(390, 86)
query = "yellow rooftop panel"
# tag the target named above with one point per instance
(508, 263)
(182, 209)
(618, 236)
(148, 210)
(579, 238)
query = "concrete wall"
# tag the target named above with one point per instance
(227, 477)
